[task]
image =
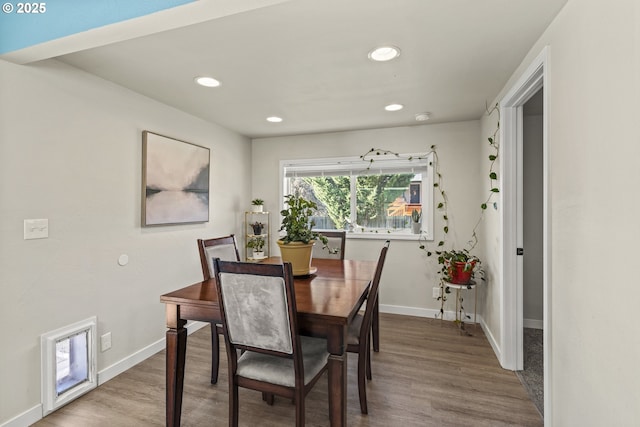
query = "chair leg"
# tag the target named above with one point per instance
(362, 382)
(215, 353)
(368, 363)
(299, 397)
(233, 403)
(375, 328)
(268, 397)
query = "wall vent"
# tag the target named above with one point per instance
(69, 364)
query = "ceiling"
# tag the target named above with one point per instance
(306, 61)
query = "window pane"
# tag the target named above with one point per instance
(386, 201)
(331, 194)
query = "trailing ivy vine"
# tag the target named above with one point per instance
(442, 205)
(493, 176)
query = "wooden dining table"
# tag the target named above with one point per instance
(327, 301)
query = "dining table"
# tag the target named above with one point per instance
(327, 301)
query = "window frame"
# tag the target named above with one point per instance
(356, 164)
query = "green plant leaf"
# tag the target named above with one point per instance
(492, 157)
(446, 229)
(435, 184)
(483, 206)
(440, 243)
(490, 140)
(495, 190)
(493, 175)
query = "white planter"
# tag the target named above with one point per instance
(258, 255)
(415, 227)
(256, 208)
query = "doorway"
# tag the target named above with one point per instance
(532, 373)
(522, 209)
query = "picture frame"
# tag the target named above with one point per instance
(175, 181)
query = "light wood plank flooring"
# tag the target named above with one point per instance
(426, 374)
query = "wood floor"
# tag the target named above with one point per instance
(426, 374)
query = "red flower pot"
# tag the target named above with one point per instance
(457, 275)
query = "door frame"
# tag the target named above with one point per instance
(512, 312)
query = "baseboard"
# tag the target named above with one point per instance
(533, 323)
(141, 355)
(34, 414)
(408, 311)
(492, 340)
(26, 418)
(420, 312)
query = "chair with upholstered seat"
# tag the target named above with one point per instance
(358, 338)
(224, 248)
(258, 309)
(337, 240)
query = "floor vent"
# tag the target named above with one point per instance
(69, 364)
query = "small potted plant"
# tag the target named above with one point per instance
(257, 205)
(297, 243)
(257, 244)
(416, 215)
(257, 228)
(458, 266)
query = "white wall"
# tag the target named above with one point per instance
(594, 146)
(408, 275)
(70, 151)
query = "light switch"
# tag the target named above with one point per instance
(36, 229)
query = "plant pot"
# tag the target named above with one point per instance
(257, 229)
(256, 208)
(457, 275)
(258, 254)
(415, 227)
(298, 254)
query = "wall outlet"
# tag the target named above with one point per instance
(436, 292)
(105, 342)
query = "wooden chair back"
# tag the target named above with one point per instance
(224, 248)
(337, 239)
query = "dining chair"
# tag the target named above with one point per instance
(226, 249)
(358, 337)
(258, 309)
(337, 240)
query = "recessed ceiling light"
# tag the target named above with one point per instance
(384, 53)
(274, 119)
(421, 117)
(394, 107)
(207, 81)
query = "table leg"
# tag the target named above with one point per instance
(176, 348)
(375, 327)
(337, 376)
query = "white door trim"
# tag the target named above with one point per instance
(534, 78)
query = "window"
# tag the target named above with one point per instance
(368, 198)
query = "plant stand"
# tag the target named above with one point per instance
(250, 218)
(460, 313)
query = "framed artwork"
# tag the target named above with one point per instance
(175, 181)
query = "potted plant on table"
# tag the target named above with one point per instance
(297, 243)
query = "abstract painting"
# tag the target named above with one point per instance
(175, 181)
